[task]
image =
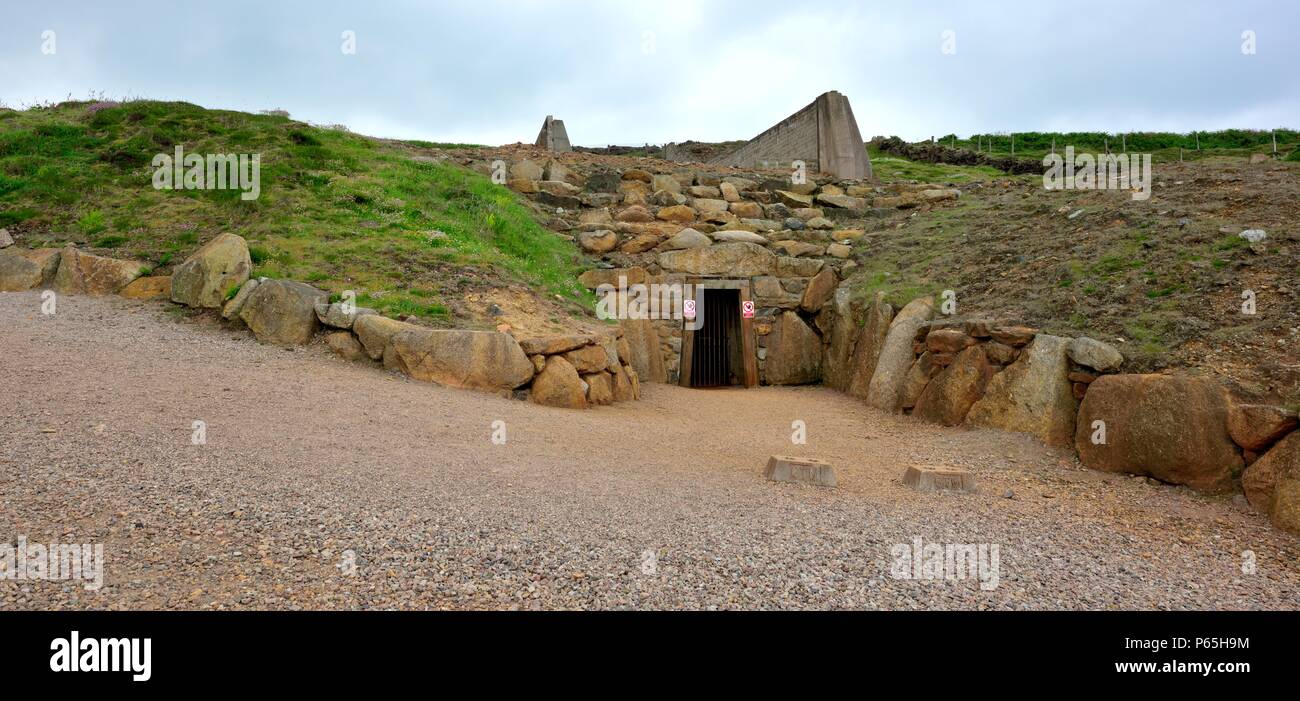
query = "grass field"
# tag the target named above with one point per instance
(1164, 147)
(892, 169)
(338, 210)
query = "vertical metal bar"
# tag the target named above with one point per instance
(722, 339)
(713, 351)
(708, 344)
(733, 332)
(707, 330)
(722, 347)
(717, 345)
(713, 369)
(724, 373)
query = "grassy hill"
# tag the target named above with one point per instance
(338, 210)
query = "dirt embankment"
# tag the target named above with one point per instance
(1167, 280)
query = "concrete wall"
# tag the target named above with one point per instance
(824, 135)
(679, 153)
(793, 138)
(840, 149)
(698, 151)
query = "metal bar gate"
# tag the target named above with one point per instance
(711, 362)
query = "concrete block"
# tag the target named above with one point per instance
(939, 479)
(781, 468)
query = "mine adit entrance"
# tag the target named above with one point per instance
(720, 352)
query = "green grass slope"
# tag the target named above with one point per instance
(336, 209)
(887, 168)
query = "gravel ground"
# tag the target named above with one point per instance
(325, 484)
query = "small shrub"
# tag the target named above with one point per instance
(92, 223)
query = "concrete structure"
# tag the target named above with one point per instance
(824, 135)
(784, 468)
(553, 136)
(939, 479)
(697, 151)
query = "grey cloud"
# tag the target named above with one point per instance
(489, 71)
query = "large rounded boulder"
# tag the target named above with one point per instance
(203, 280)
(948, 397)
(487, 360)
(559, 385)
(375, 331)
(283, 312)
(1169, 427)
(86, 274)
(24, 270)
(794, 352)
(1032, 395)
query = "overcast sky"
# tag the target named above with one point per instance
(623, 72)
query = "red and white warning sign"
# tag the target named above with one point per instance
(747, 309)
(688, 308)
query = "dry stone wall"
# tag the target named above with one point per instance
(1004, 375)
(573, 371)
(667, 224)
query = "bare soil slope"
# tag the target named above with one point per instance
(1162, 279)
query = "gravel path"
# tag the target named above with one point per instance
(325, 484)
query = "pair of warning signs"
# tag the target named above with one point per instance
(688, 309)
